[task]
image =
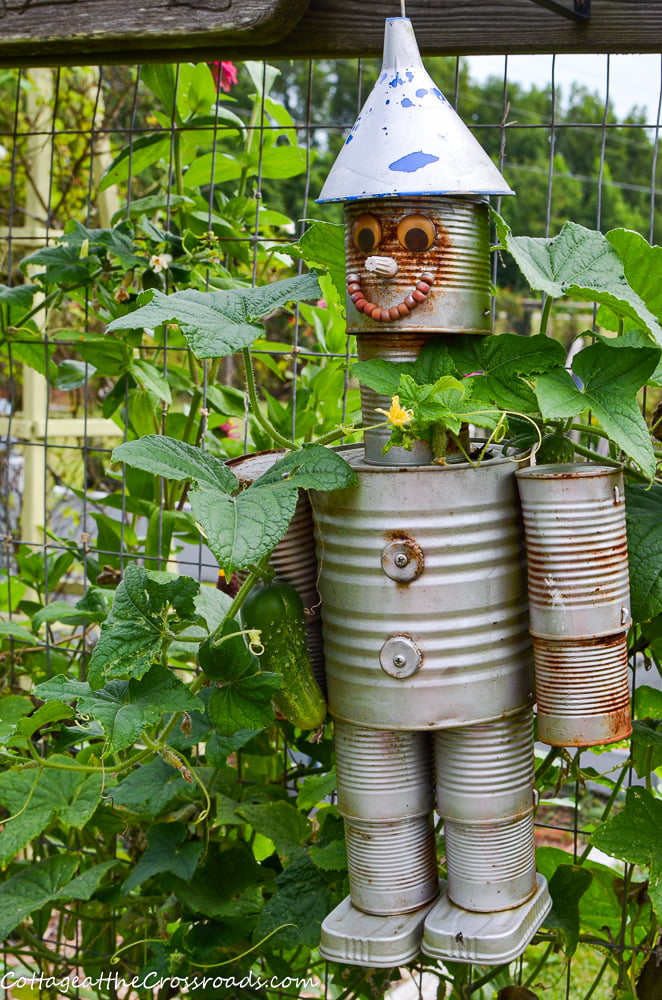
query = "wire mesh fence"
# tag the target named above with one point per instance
(171, 178)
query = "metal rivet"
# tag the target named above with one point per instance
(399, 657)
(402, 560)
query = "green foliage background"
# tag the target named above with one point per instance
(142, 820)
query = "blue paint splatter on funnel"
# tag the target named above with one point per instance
(413, 161)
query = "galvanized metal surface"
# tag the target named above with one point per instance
(467, 612)
(383, 775)
(392, 865)
(574, 518)
(395, 347)
(494, 758)
(485, 796)
(356, 938)
(456, 266)
(582, 690)
(490, 864)
(407, 138)
(451, 932)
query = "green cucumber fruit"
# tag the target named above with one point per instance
(277, 611)
(555, 447)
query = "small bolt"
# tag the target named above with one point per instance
(399, 661)
(401, 559)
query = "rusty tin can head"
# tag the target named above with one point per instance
(418, 265)
(574, 519)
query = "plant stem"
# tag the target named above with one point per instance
(255, 574)
(544, 316)
(336, 434)
(605, 812)
(275, 435)
(194, 406)
(86, 768)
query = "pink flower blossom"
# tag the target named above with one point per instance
(229, 430)
(227, 72)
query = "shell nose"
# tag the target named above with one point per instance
(385, 267)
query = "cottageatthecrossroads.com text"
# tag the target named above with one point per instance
(150, 981)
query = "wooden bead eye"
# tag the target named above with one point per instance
(366, 233)
(416, 233)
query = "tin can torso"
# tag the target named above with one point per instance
(423, 587)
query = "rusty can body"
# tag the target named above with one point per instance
(579, 598)
(423, 588)
(385, 797)
(574, 520)
(485, 796)
(582, 690)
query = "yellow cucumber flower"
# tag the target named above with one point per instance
(397, 415)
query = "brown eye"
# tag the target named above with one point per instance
(366, 233)
(416, 233)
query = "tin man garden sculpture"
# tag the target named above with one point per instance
(422, 573)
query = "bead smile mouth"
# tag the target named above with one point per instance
(410, 302)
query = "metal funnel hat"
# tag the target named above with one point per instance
(408, 140)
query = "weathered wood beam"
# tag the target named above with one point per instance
(476, 27)
(76, 32)
(57, 32)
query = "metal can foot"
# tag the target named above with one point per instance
(484, 938)
(352, 937)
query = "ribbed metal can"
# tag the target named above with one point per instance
(574, 519)
(490, 865)
(457, 262)
(383, 774)
(486, 771)
(423, 588)
(582, 690)
(392, 865)
(396, 347)
(293, 558)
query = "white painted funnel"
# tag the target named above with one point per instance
(408, 140)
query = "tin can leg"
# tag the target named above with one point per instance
(385, 797)
(494, 901)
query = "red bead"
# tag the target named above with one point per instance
(376, 313)
(353, 286)
(360, 304)
(355, 296)
(393, 313)
(368, 308)
(402, 309)
(353, 277)
(426, 276)
(384, 315)
(418, 296)
(423, 287)
(410, 301)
